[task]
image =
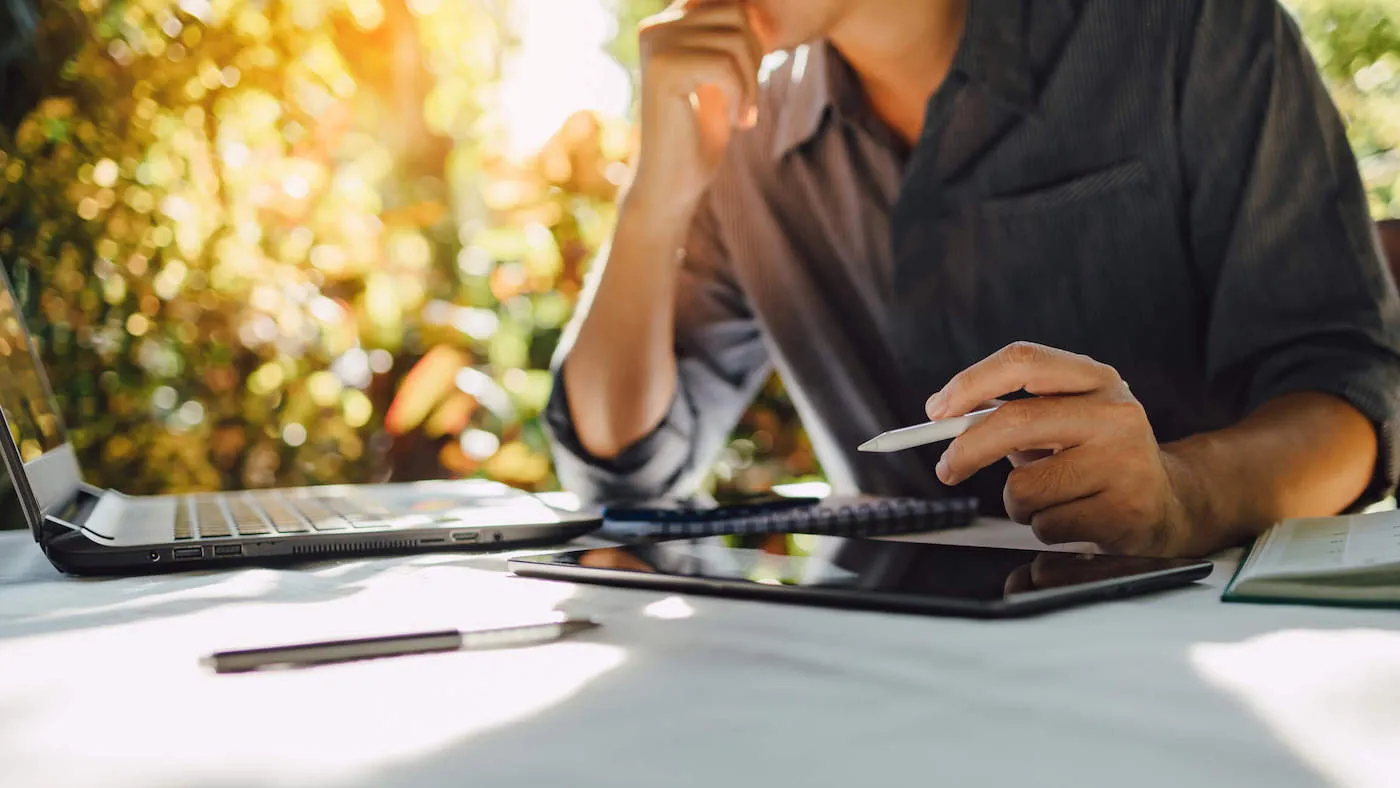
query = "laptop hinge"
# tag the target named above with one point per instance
(75, 515)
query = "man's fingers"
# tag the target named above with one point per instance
(1085, 520)
(1105, 520)
(1025, 425)
(668, 41)
(1057, 479)
(717, 68)
(1019, 458)
(1021, 366)
(746, 65)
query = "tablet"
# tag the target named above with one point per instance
(869, 573)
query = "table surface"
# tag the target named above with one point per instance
(100, 686)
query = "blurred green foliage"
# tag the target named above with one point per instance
(283, 242)
(1357, 46)
(279, 243)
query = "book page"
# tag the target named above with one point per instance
(1329, 545)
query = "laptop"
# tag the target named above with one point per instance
(87, 530)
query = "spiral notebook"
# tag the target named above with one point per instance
(836, 516)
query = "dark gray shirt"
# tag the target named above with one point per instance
(1163, 185)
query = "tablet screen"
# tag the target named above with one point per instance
(886, 568)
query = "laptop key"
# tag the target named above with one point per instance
(321, 518)
(283, 519)
(352, 507)
(246, 519)
(211, 519)
(184, 527)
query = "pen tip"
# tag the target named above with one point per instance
(868, 445)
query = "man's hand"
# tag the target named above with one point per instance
(700, 61)
(1088, 466)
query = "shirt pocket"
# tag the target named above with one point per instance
(1096, 185)
(1094, 263)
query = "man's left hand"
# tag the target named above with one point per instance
(1088, 467)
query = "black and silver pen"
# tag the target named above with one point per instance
(307, 654)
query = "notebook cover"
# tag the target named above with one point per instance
(1229, 594)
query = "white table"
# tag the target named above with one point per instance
(100, 686)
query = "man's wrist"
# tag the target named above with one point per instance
(657, 201)
(1210, 495)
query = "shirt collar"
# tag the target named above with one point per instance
(811, 93)
(993, 52)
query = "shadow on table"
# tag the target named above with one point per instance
(43, 601)
(742, 692)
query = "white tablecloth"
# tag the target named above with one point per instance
(100, 686)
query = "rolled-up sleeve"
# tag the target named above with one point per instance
(721, 363)
(1302, 300)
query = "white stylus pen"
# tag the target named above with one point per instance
(923, 434)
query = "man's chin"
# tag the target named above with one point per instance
(768, 34)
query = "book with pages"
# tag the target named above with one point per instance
(1351, 560)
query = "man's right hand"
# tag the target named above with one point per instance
(700, 61)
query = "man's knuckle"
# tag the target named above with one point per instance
(1128, 411)
(1059, 475)
(1017, 415)
(1021, 485)
(1021, 352)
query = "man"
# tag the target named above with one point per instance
(937, 203)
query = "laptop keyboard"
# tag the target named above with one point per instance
(273, 512)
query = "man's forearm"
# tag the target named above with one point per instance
(621, 371)
(1300, 455)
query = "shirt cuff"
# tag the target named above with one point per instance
(649, 468)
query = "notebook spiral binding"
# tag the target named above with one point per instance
(879, 517)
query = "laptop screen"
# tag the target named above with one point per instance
(24, 393)
(33, 426)
(12, 514)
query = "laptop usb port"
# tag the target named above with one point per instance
(228, 549)
(186, 553)
(466, 536)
